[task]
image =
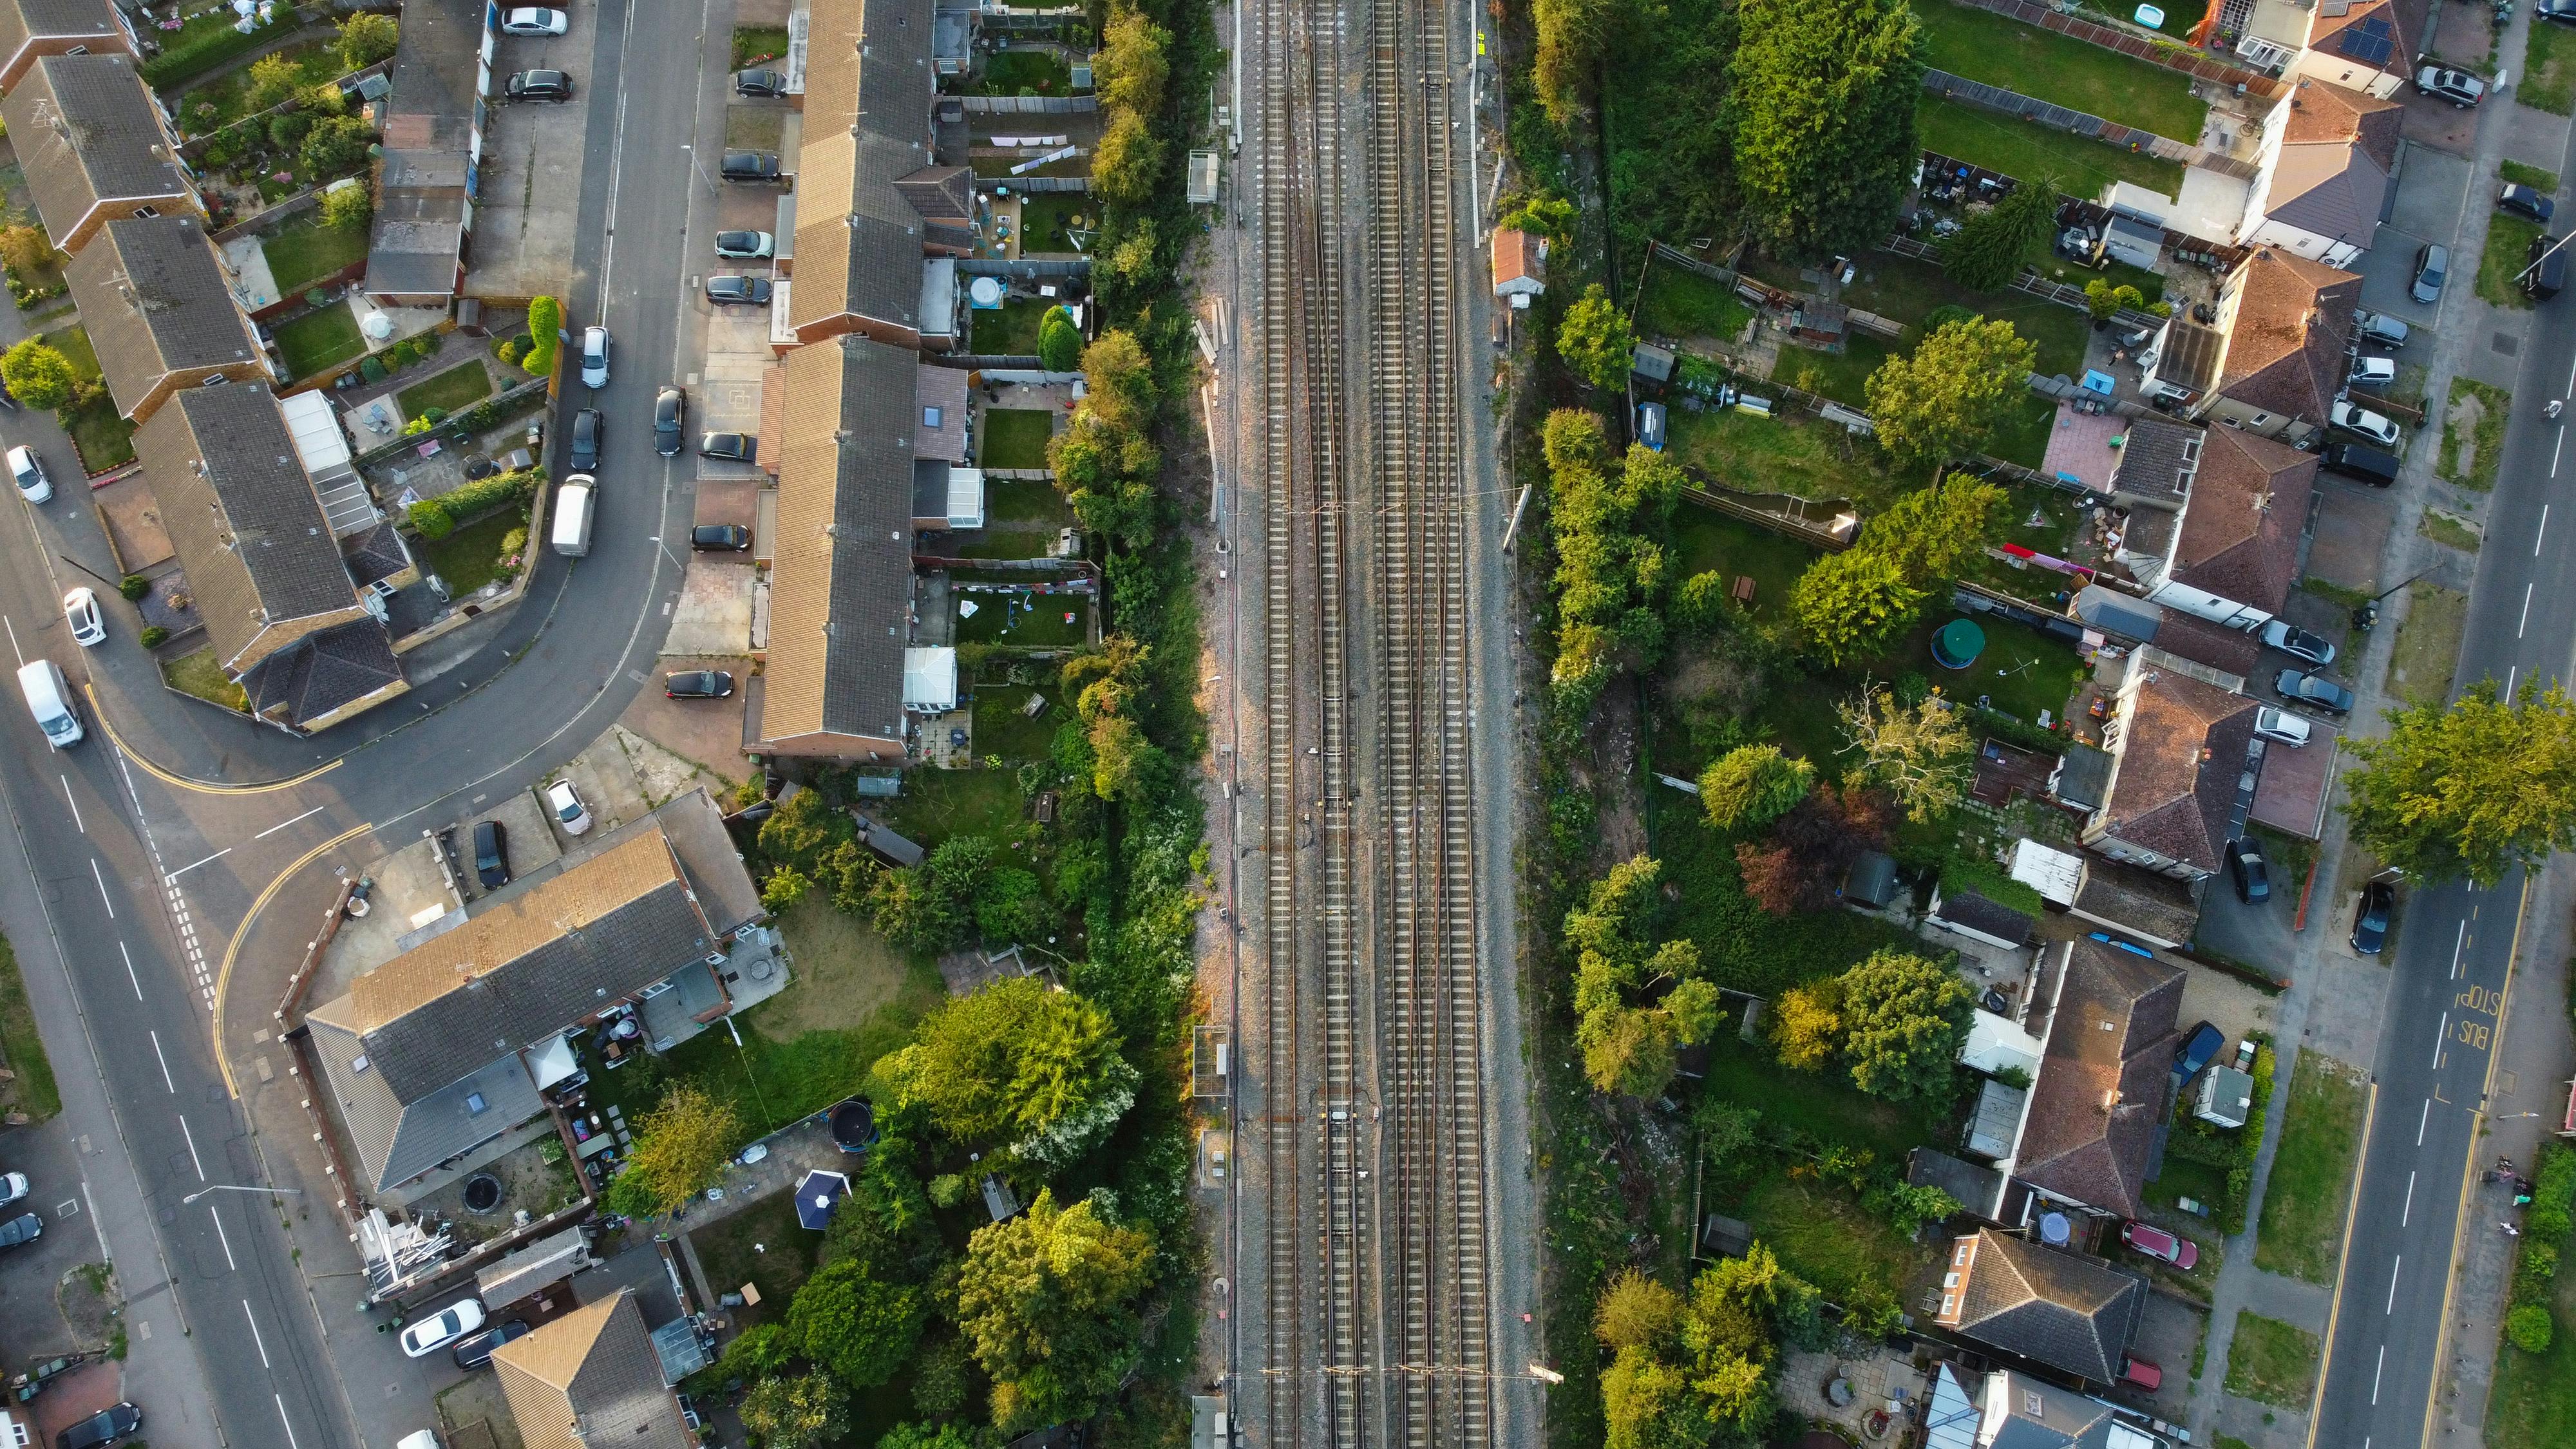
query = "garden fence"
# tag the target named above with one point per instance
(1031, 267)
(1034, 183)
(2111, 133)
(2164, 54)
(1791, 520)
(2029, 281)
(1030, 105)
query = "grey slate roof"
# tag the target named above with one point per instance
(397, 1142)
(323, 672)
(2055, 1308)
(873, 493)
(696, 830)
(378, 553)
(155, 301)
(429, 123)
(1969, 909)
(86, 131)
(2043, 1416)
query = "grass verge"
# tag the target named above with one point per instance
(2533, 1402)
(2427, 651)
(21, 1046)
(2473, 433)
(2312, 1175)
(2523, 173)
(2443, 528)
(305, 252)
(1998, 50)
(2025, 150)
(1015, 438)
(459, 387)
(199, 675)
(2509, 241)
(2272, 1362)
(2549, 70)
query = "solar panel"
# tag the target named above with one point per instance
(2371, 42)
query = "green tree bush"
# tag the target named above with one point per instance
(855, 1325)
(2476, 789)
(1014, 1065)
(366, 38)
(2530, 1328)
(1629, 1034)
(133, 587)
(1852, 605)
(336, 146)
(38, 374)
(1905, 1019)
(1752, 785)
(802, 1412)
(681, 1146)
(1059, 341)
(1986, 253)
(1595, 342)
(1947, 397)
(1820, 111)
(1047, 1303)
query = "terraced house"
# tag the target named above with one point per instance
(93, 146)
(2272, 361)
(159, 309)
(32, 28)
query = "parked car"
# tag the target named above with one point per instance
(426, 1336)
(735, 447)
(2379, 328)
(2370, 923)
(2314, 689)
(530, 20)
(731, 537)
(2432, 269)
(2141, 1374)
(2374, 466)
(586, 427)
(2245, 868)
(670, 417)
(2281, 726)
(564, 803)
(2199, 1048)
(697, 684)
(29, 472)
(13, 1186)
(2155, 1242)
(594, 357)
(2371, 371)
(2526, 201)
(2281, 634)
(2458, 87)
(540, 85)
(80, 610)
(21, 1230)
(745, 245)
(2562, 11)
(759, 82)
(2352, 417)
(736, 289)
(491, 854)
(749, 166)
(475, 1351)
(102, 1428)
(2544, 267)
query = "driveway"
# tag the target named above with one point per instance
(2432, 191)
(2259, 936)
(529, 218)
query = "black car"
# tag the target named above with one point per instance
(491, 854)
(475, 1350)
(2526, 201)
(2370, 923)
(585, 439)
(670, 414)
(2245, 867)
(759, 81)
(737, 447)
(697, 684)
(733, 287)
(21, 1230)
(749, 166)
(104, 1427)
(725, 536)
(2314, 689)
(2199, 1048)
(540, 85)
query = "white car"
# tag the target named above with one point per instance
(80, 607)
(594, 357)
(2280, 724)
(745, 245)
(428, 1335)
(29, 471)
(568, 810)
(2353, 418)
(529, 20)
(13, 1186)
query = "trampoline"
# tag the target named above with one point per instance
(1958, 643)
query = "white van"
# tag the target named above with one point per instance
(49, 699)
(575, 502)
(420, 1439)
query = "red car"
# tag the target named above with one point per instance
(2140, 1373)
(2157, 1243)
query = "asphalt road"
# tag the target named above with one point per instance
(160, 876)
(2436, 1049)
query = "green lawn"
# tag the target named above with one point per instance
(1706, 540)
(2021, 672)
(1008, 72)
(34, 1092)
(2473, 424)
(198, 674)
(1010, 329)
(226, 98)
(2549, 70)
(2533, 1403)
(1001, 729)
(1026, 620)
(461, 386)
(318, 341)
(1778, 454)
(103, 438)
(2023, 438)
(1981, 45)
(1025, 503)
(1015, 437)
(2198, 1181)
(470, 557)
(763, 1245)
(2301, 1232)
(205, 41)
(1908, 291)
(2509, 241)
(1682, 303)
(1823, 1236)
(1842, 375)
(1045, 220)
(755, 44)
(936, 804)
(2025, 149)
(2272, 1362)
(1824, 1103)
(305, 251)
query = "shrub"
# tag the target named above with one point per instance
(373, 369)
(37, 374)
(431, 520)
(366, 39)
(336, 145)
(1059, 341)
(133, 587)
(2530, 1328)
(513, 541)
(545, 329)
(485, 494)
(508, 351)
(154, 636)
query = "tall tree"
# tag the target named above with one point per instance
(1947, 397)
(1920, 755)
(366, 38)
(1015, 1064)
(1807, 1024)
(1934, 533)
(1133, 62)
(2476, 790)
(1750, 786)
(1821, 112)
(854, 1324)
(1047, 1302)
(1628, 1036)
(1595, 340)
(681, 1146)
(1851, 605)
(1635, 1311)
(1610, 518)
(796, 1413)
(1570, 37)
(1987, 251)
(1905, 1020)
(38, 374)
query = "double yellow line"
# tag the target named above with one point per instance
(241, 933)
(184, 782)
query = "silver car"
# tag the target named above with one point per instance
(594, 357)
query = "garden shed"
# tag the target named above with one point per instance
(1871, 882)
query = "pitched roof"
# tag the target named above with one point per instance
(2373, 33)
(2240, 531)
(245, 521)
(1969, 909)
(2285, 346)
(2071, 1313)
(2037, 1415)
(2141, 900)
(2100, 1095)
(589, 1380)
(841, 578)
(2205, 642)
(2178, 757)
(323, 672)
(396, 1140)
(710, 862)
(538, 960)
(155, 301)
(868, 85)
(943, 389)
(419, 229)
(1517, 254)
(25, 20)
(86, 132)
(2338, 154)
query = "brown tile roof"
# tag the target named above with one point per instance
(1517, 254)
(2204, 642)
(2140, 900)
(2240, 531)
(2071, 1313)
(2180, 751)
(2285, 348)
(2354, 30)
(86, 132)
(868, 87)
(2322, 113)
(2101, 1089)
(590, 1380)
(155, 302)
(841, 580)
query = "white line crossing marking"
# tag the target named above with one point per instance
(68, 795)
(193, 1158)
(94, 874)
(226, 1239)
(167, 1085)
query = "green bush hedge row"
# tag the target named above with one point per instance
(210, 46)
(2545, 1227)
(436, 518)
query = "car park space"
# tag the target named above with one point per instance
(2431, 197)
(529, 213)
(48, 1159)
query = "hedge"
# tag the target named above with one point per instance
(545, 331)
(2545, 1228)
(192, 55)
(436, 518)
